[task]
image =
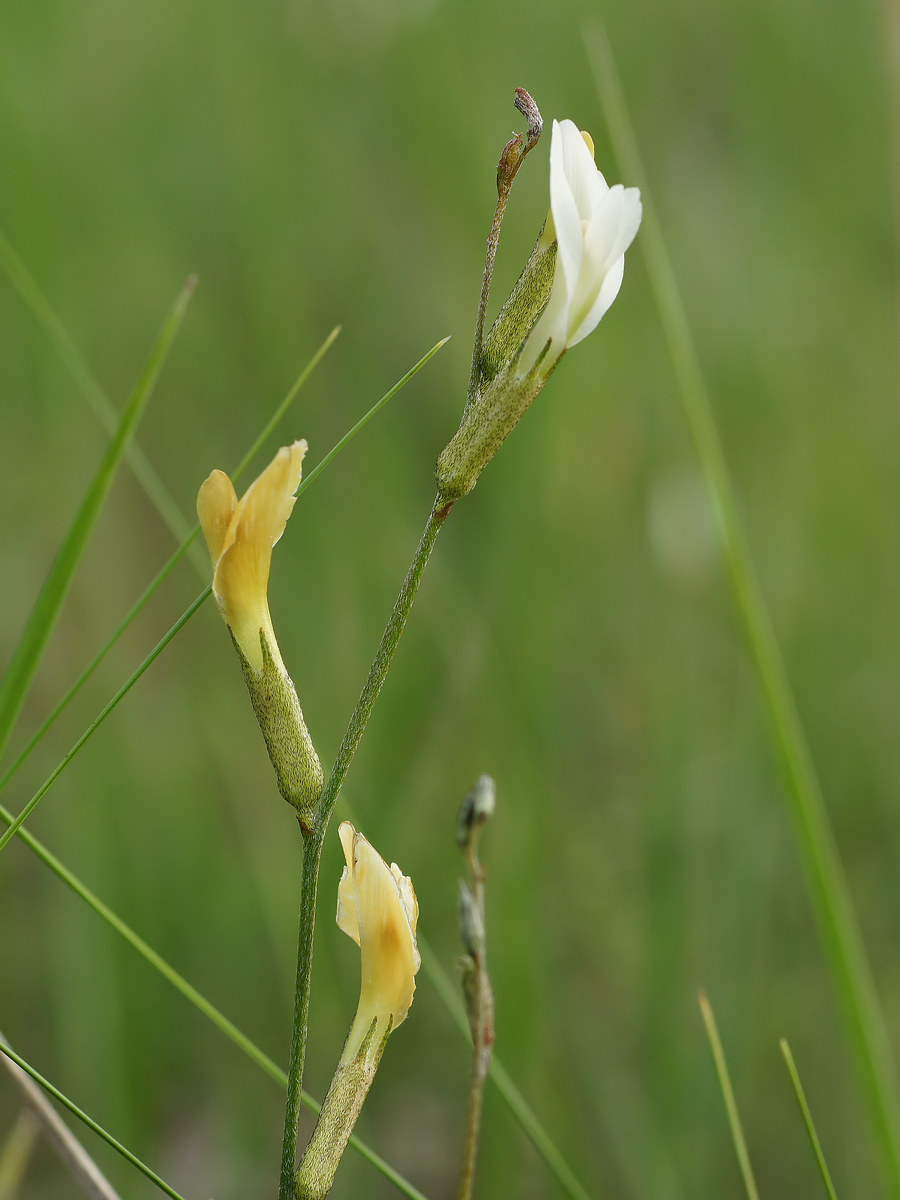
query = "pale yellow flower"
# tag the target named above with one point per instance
(377, 907)
(240, 535)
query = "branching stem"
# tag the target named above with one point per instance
(315, 836)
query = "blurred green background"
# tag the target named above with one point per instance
(330, 163)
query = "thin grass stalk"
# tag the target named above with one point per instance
(829, 891)
(807, 1120)
(734, 1119)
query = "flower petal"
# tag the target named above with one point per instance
(241, 576)
(611, 231)
(567, 188)
(347, 903)
(377, 907)
(216, 502)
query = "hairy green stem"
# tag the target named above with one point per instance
(312, 855)
(315, 835)
(340, 1109)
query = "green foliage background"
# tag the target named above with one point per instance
(330, 163)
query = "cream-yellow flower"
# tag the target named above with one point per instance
(377, 907)
(240, 535)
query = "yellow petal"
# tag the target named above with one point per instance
(346, 906)
(377, 907)
(241, 576)
(216, 502)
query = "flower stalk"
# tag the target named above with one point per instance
(478, 994)
(314, 840)
(510, 160)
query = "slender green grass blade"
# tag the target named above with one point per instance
(71, 357)
(190, 993)
(90, 1122)
(43, 617)
(807, 1119)
(364, 420)
(734, 1120)
(126, 687)
(501, 1079)
(275, 419)
(827, 883)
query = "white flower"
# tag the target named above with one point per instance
(240, 535)
(595, 224)
(377, 907)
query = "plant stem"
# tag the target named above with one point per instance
(510, 160)
(807, 1119)
(482, 1025)
(314, 840)
(312, 854)
(734, 1119)
(477, 808)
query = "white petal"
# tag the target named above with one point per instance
(564, 205)
(610, 234)
(608, 292)
(552, 326)
(578, 166)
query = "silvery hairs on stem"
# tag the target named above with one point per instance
(571, 278)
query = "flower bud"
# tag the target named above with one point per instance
(478, 807)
